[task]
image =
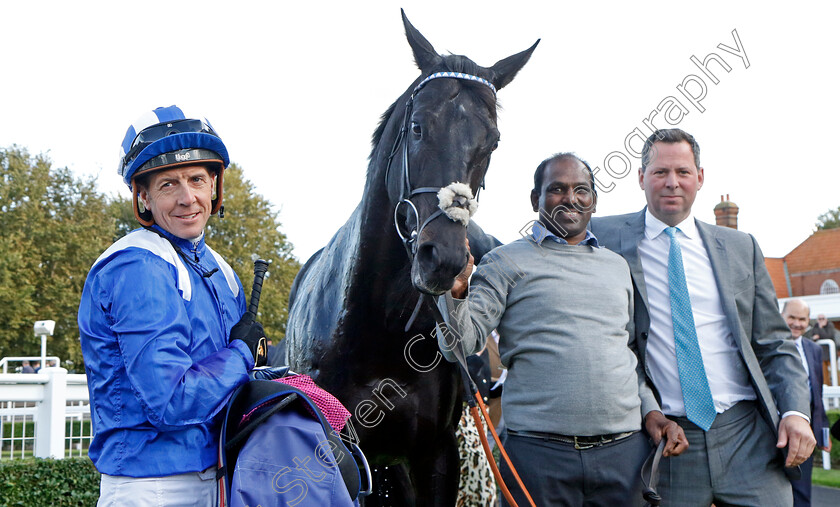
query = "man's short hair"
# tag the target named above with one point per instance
(670, 136)
(800, 301)
(539, 174)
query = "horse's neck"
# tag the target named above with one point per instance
(379, 248)
(381, 264)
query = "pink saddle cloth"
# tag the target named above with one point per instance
(333, 410)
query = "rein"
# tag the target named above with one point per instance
(409, 239)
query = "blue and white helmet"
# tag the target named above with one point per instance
(166, 138)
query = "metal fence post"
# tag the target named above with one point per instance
(49, 427)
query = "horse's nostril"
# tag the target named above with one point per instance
(427, 256)
(438, 264)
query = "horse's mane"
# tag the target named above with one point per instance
(450, 63)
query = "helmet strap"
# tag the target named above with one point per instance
(143, 215)
(217, 199)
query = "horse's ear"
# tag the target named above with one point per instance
(505, 70)
(424, 54)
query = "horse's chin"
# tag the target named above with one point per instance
(430, 287)
(430, 291)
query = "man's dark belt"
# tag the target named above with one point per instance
(580, 443)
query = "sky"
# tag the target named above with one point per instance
(296, 89)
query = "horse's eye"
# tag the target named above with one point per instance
(415, 128)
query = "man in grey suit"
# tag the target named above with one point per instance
(711, 339)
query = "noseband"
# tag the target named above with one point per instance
(463, 197)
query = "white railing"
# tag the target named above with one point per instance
(4, 363)
(832, 358)
(52, 399)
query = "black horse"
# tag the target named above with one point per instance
(352, 301)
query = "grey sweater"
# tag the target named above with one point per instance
(564, 314)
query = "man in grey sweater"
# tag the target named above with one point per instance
(574, 399)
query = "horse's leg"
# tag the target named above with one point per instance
(436, 479)
(391, 488)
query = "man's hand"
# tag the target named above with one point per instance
(252, 333)
(795, 433)
(462, 281)
(658, 426)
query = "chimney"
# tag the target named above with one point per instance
(726, 213)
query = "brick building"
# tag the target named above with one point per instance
(810, 269)
(810, 272)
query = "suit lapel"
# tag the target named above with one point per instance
(630, 238)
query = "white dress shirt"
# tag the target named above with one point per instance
(727, 375)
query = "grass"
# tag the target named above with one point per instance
(830, 478)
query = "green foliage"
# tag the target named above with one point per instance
(251, 227)
(829, 220)
(829, 478)
(67, 482)
(52, 227)
(120, 209)
(833, 416)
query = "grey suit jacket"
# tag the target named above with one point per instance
(749, 302)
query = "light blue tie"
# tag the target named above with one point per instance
(699, 406)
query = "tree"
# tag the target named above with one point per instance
(829, 220)
(52, 228)
(249, 227)
(119, 208)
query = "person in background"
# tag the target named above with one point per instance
(162, 323)
(26, 367)
(796, 314)
(825, 330)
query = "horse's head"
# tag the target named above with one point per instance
(438, 161)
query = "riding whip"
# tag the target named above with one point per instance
(260, 267)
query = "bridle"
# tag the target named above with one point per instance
(410, 243)
(406, 192)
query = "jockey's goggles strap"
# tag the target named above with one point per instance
(157, 132)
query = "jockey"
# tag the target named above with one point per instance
(161, 322)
